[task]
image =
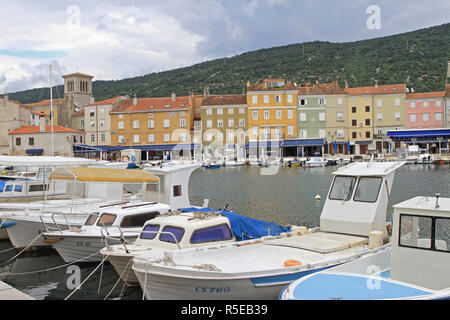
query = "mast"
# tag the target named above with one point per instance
(51, 107)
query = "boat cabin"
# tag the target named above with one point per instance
(421, 242)
(358, 198)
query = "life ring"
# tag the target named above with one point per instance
(292, 263)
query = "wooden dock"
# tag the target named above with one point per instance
(9, 293)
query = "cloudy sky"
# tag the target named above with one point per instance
(119, 39)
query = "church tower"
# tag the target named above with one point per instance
(78, 86)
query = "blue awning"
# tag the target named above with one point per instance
(264, 144)
(363, 142)
(302, 142)
(409, 134)
(34, 151)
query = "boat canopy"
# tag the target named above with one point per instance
(245, 228)
(104, 175)
(41, 161)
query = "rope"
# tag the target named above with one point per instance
(120, 277)
(79, 286)
(12, 248)
(53, 268)
(26, 248)
(145, 282)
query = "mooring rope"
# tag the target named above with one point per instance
(79, 286)
(10, 249)
(22, 251)
(118, 280)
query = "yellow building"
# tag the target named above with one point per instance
(272, 114)
(45, 106)
(153, 125)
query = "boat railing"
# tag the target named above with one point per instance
(49, 228)
(110, 237)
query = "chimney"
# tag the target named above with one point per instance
(135, 100)
(5, 99)
(174, 96)
(376, 84)
(42, 121)
(346, 84)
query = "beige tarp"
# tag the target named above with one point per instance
(104, 175)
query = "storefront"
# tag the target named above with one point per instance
(428, 140)
(302, 147)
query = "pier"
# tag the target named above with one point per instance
(9, 293)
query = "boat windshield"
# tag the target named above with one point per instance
(210, 234)
(368, 189)
(172, 232)
(106, 220)
(91, 219)
(342, 188)
(151, 231)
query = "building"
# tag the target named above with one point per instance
(372, 112)
(12, 116)
(447, 106)
(45, 106)
(225, 124)
(160, 127)
(272, 115)
(97, 121)
(37, 140)
(425, 110)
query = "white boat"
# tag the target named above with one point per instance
(235, 163)
(425, 158)
(112, 225)
(189, 228)
(356, 205)
(88, 189)
(315, 161)
(253, 160)
(415, 268)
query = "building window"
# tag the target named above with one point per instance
(219, 111)
(266, 99)
(182, 123)
(31, 141)
(266, 114)
(321, 116)
(290, 114)
(151, 138)
(182, 137)
(379, 116)
(92, 113)
(425, 116)
(425, 104)
(255, 131)
(354, 135)
(220, 123)
(150, 115)
(255, 115)
(92, 123)
(412, 104)
(92, 137)
(302, 116)
(340, 133)
(241, 122)
(242, 110)
(303, 102)
(412, 117)
(438, 103)
(82, 123)
(102, 123)
(254, 99)
(166, 123)
(167, 137)
(135, 124)
(182, 114)
(103, 137)
(278, 114)
(230, 111)
(379, 103)
(278, 98)
(339, 101)
(367, 134)
(397, 102)
(397, 116)
(230, 123)
(438, 116)
(290, 130)
(121, 139)
(353, 109)
(177, 191)
(322, 101)
(209, 123)
(120, 125)
(367, 122)
(354, 122)
(102, 110)
(209, 112)
(136, 138)
(340, 116)
(322, 133)
(151, 124)
(120, 116)
(303, 133)
(367, 108)
(290, 98)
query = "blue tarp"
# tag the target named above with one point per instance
(245, 228)
(2, 185)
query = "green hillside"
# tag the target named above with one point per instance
(417, 58)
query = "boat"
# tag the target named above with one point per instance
(212, 166)
(316, 161)
(425, 158)
(235, 163)
(293, 163)
(186, 228)
(121, 223)
(414, 268)
(88, 190)
(356, 205)
(253, 160)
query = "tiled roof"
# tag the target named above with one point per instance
(423, 95)
(79, 113)
(43, 103)
(447, 91)
(260, 86)
(330, 88)
(103, 102)
(225, 100)
(309, 90)
(153, 104)
(48, 129)
(77, 74)
(380, 89)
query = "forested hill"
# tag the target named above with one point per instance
(418, 58)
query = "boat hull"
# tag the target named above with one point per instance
(122, 265)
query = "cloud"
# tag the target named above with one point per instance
(116, 39)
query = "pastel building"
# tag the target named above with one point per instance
(425, 110)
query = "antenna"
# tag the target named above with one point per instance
(51, 107)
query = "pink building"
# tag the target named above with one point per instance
(425, 110)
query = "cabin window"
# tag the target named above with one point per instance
(9, 188)
(38, 187)
(106, 220)
(174, 232)
(151, 231)
(415, 231)
(367, 189)
(177, 191)
(137, 220)
(17, 188)
(215, 233)
(91, 220)
(442, 236)
(342, 188)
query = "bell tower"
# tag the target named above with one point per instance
(78, 86)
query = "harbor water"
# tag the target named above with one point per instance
(286, 197)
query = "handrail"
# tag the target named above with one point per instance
(163, 232)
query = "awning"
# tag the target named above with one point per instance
(104, 175)
(302, 143)
(363, 142)
(409, 134)
(34, 151)
(264, 144)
